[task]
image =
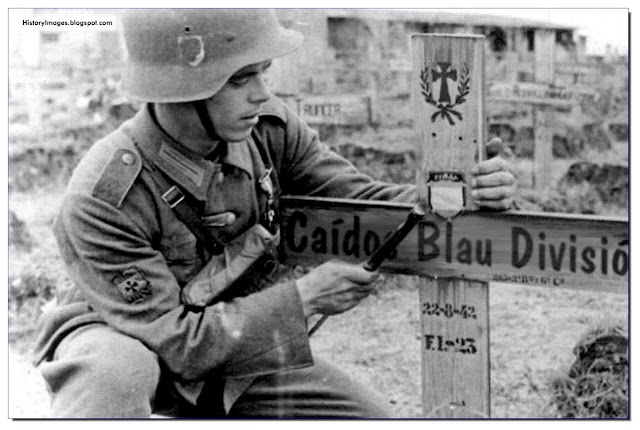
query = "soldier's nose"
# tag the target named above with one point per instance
(260, 91)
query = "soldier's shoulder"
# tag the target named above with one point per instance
(109, 169)
(275, 108)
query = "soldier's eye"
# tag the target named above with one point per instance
(239, 81)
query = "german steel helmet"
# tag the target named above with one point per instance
(182, 55)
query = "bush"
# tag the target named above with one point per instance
(576, 200)
(29, 291)
(19, 236)
(609, 182)
(30, 288)
(597, 383)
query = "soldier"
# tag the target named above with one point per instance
(168, 229)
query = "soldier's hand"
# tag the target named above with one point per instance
(334, 287)
(493, 184)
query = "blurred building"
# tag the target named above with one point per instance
(340, 42)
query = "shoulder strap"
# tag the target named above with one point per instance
(119, 174)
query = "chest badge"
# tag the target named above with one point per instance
(266, 185)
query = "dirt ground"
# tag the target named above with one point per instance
(533, 331)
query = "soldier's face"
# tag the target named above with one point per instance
(235, 108)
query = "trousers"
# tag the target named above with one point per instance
(98, 372)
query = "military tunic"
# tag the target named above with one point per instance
(129, 256)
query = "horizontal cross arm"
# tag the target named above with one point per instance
(541, 249)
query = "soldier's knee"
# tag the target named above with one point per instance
(107, 360)
(99, 372)
(122, 364)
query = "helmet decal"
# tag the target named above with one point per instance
(191, 49)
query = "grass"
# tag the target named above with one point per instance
(533, 332)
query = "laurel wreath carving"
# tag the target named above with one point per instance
(446, 110)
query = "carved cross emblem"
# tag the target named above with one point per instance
(444, 74)
(445, 107)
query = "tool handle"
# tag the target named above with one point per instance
(383, 252)
(389, 245)
(318, 324)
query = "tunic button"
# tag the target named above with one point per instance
(219, 178)
(128, 158)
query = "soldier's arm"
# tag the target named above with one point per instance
(109, 255)
(308, 167)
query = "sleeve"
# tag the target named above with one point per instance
(129, 284)
(312, 168)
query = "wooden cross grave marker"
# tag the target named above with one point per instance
(455, 311)
(456, 249)
(541, 100)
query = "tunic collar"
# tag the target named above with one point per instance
(186, 168)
